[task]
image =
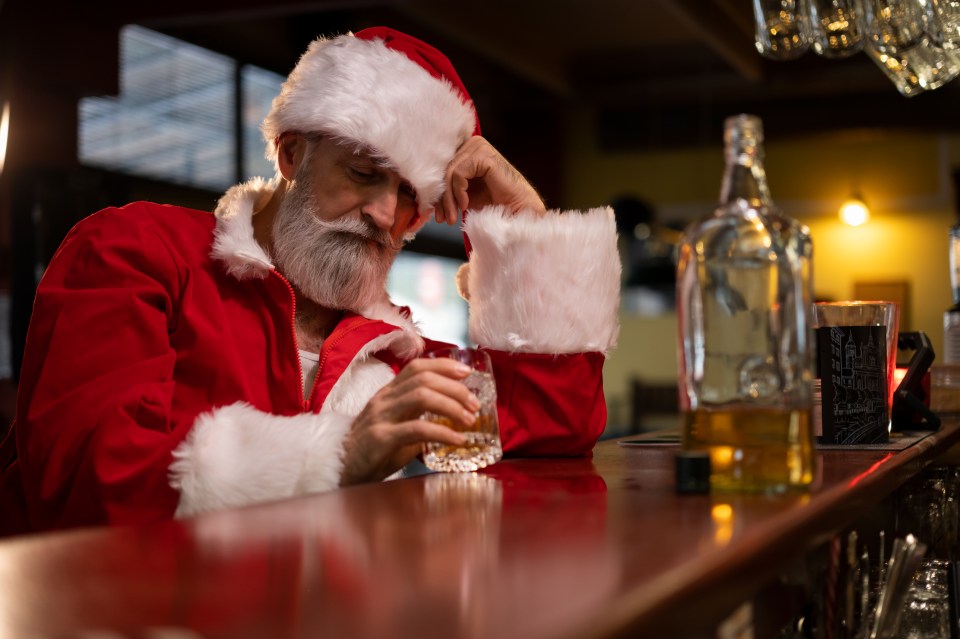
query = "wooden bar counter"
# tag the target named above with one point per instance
(531, 548)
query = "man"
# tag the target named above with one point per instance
(179, 362)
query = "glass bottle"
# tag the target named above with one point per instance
(951, 318)
(744, 308)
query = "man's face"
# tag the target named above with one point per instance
(340, 225)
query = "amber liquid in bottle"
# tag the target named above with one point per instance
(753, 449)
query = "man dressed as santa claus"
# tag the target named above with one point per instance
(179, 361)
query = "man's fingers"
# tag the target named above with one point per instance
(446, 366)
(390, 429)
(446, 206)
(440, 395)
(455, 198)
(460, 195)
(421, 431)
(471, 162)
(449, 201)
(478, 175)
(427, 385)
(397, 435)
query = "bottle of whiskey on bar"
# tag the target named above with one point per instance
(744, 309)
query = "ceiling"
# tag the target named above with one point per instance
(656, 72)
(651, 74)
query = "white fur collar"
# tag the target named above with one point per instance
(236, 247)
(233, 240)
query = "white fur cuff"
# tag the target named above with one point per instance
(544, 284)
(237, 455)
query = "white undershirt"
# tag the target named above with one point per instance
(310, 363)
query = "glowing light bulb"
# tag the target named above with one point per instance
(854, 212)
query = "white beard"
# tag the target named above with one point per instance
(341, 264)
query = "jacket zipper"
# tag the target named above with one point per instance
(304, 404)
(324, 350)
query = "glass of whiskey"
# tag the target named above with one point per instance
(483, 438)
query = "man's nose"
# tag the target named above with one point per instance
(381, 208)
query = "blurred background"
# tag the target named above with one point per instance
(606, 102)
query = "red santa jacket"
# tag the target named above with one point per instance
(161, 374)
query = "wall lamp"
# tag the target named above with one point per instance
(854, 211)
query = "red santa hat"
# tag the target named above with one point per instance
(385, 90)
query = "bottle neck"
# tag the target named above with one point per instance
(744, 177)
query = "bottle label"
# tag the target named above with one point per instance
(854, 387)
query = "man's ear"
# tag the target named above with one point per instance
(423, 215)
(290, 148)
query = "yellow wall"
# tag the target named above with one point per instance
(903, 177)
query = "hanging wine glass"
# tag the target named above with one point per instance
(782, 28)
(922, 68)
(837, 27)
(904, 40)
(895, 26)
(946, 13)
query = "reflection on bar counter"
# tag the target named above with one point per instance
(744, 292)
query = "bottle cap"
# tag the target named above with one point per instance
(693, 472)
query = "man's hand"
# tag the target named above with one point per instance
(478, 176)
(388, 433)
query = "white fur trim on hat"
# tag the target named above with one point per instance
(237, 455)
(543, 284)
(364, 92)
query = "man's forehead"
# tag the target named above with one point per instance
(361, 151)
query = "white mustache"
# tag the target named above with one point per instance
(361, 229)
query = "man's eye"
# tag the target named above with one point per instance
(360, 174)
